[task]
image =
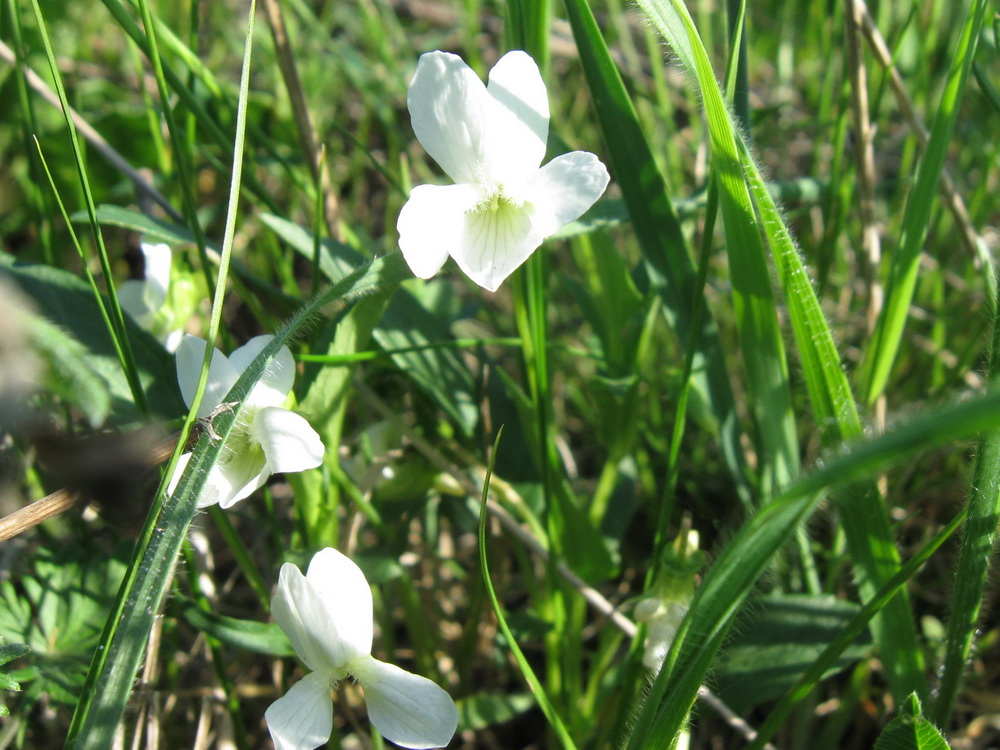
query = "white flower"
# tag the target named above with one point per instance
(490, 140)
(266, 439)
(327, 615)
(143, 299)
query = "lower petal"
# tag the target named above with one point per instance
(431, 223)
(498, 239)
(302, 718)
(565, 188)
(289, 443)
(405, 708)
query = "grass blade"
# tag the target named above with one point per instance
(529, 675)
(743, 560)
(881, 352)
(664, 247)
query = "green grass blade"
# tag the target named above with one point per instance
(881, 352)
(805, 684)
(974, 556)
(753, 300)
(664, 247)
(529, 674)
(115, 314)
(743, 560)
(865, 522)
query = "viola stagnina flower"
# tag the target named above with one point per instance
(146, 299)
(327, 615)
(266, 439)
(490, 140)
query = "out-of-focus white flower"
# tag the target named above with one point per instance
(143, 299)
(672, 592)
(327, 615)
(267, 438)
(490, 140)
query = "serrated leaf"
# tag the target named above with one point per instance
(67, 301)
(911, 731)
(70, 372)
(12, 651)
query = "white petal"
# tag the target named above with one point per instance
(497, 240)
(519, 122)
(132, 298)
(289, 443)
(448, 110)
(432, 224)
(302, 718)
(277, 380)
(157, 272)
(407, 709)
(234, 479)
(340, 583)
(221, 375)
(306, 617)
(565, 188)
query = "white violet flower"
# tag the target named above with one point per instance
(144, 298)
(327, 615)
(490, 140)
(266, 439)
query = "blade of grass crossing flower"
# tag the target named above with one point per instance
(745, 558)
(529, 675)
(120, 651)
(664, 247)
(753, 300)
(888, 591)
(884, 344)
(115, 315)
(114, 667)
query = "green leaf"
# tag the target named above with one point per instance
(776, 639)
(911, 731)
(441, 373)
(71, 373)
(11, 651)
(483, 710)
(174, 234)
(249, 635)
(68, 302)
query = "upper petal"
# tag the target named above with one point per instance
(518, 126)
(431, 225)
(407, 709)
(302, 718)
(278, 378)
(304, 617)
(448, 110)
(565, 188)
(289, 443)
(339, 582)
(157, 272)
(221, 375)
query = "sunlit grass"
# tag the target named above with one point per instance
(695, 355)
